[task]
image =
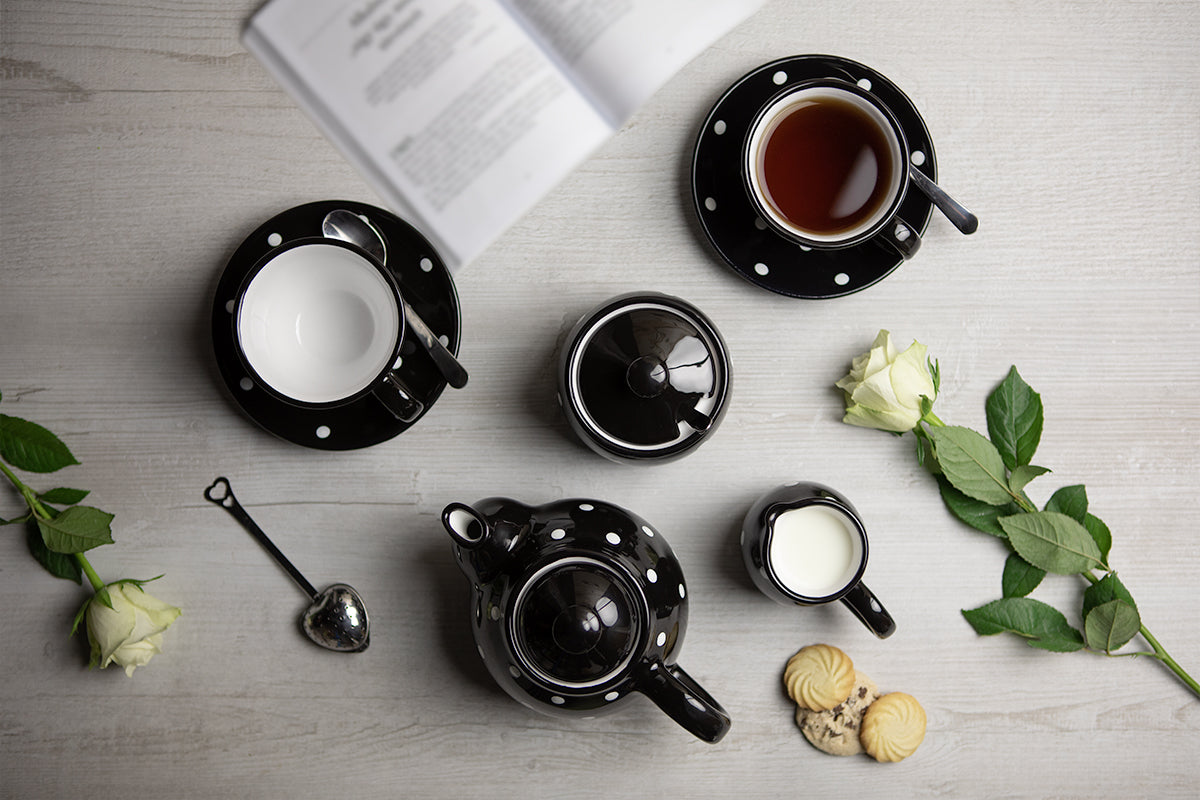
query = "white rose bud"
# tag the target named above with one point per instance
(884, 387)
(130, 633)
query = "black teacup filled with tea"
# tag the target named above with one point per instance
(826, 164)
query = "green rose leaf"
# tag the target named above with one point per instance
(979, 515)
(972, 464)
(60, 565)
(1014, 418)
(1020, 577)
(1043, 626)
(1052, 541)
(77, 529)
(1102, 591)
(1110, 614)
(1069, 500)
(1022, 475)
(31, 447)
(1100, 534)
(1109, 626)
(64, 496)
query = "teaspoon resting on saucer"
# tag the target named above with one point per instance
(350, 227)
(337, 618)
(964, 220)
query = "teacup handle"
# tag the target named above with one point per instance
(684, 700)
(898, 235)
(866, 606)
(397, 398)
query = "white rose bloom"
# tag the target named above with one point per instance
(884, 387)
(130, 633)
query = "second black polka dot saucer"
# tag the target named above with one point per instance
(741, 238)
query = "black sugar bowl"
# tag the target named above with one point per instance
(643, 378)
(577, 606)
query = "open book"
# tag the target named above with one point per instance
(463, 113)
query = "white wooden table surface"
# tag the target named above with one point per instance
(140, 144)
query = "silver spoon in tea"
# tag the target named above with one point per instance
(962, 219)
(336, 619)
(350, 227)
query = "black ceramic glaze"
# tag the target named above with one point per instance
(643, 377)
(425, 283)
(742, 240)
(578, 605)
(756, 539)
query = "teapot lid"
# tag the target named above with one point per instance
(645, 376)
(576, 623)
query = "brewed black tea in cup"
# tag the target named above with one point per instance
(826, 164)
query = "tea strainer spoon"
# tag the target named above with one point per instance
(336, 619)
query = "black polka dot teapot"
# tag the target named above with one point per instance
(577, 606)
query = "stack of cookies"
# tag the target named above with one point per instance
(841, 712)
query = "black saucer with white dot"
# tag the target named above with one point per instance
(741, 238)
(426, 284)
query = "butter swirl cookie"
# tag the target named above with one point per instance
(819, 677)
(892, 727)
(836, 731)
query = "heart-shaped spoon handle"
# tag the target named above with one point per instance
(221, 493)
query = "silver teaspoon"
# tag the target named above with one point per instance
(350, 227)
(962, 219)
(336, 619)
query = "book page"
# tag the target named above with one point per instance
(454, 114)
(622, 51)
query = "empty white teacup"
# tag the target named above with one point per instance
(319, 323)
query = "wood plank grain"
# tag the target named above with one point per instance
(140, 144)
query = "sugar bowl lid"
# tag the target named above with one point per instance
(644, 376)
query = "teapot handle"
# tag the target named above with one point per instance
(684, 700)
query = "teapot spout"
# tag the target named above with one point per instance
(485, 535)
(466, 526)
